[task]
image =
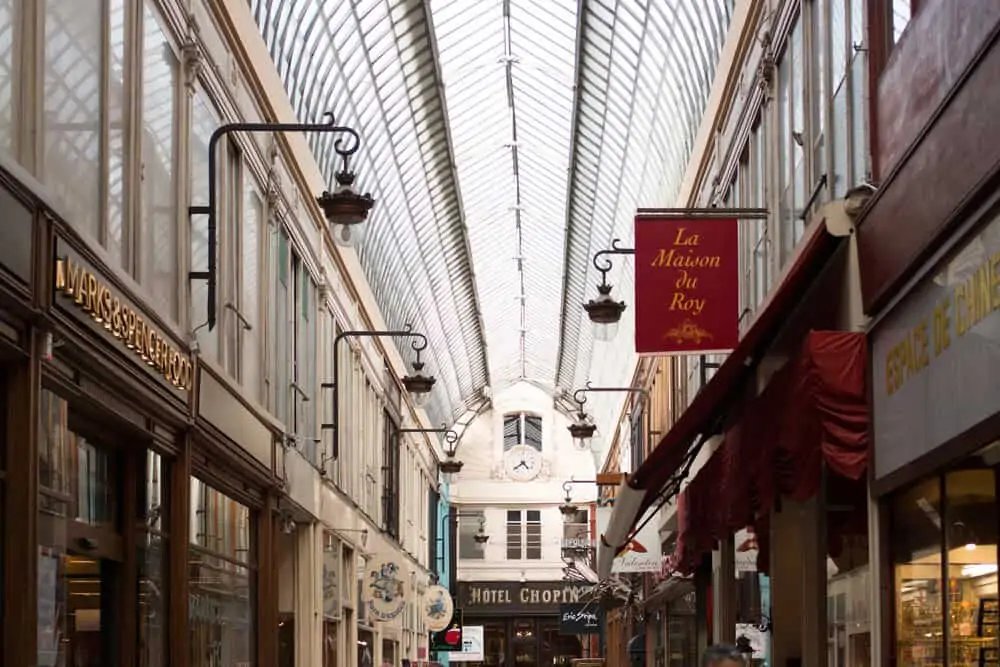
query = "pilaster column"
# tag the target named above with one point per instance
(724, 592)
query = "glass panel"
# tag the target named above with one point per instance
(917, 543)
(204, 120)
(330, 632)
(71, 119)
(859, 119)
(253, 215)
(974, 610)
(900, 18)
(152, 610)
(158, 265)
(220, 599)
(76, 478)
(525, 643)
(151, 493)
(533, 539)
(9, 15)
(117, 105)
(467, 528)
(818, 78)
(515, 536)
(76, 609)
(841, 142)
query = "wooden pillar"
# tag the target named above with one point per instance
(128, 590)
(20, 532)
(266, 598)
(180, 527)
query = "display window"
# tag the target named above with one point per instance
(221, 568)
(944, 541)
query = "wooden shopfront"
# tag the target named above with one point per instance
(110, 524)
(521, 621)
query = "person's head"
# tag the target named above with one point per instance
(722, 655)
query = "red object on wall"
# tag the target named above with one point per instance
(686, 285)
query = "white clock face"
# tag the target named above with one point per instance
(522, 463)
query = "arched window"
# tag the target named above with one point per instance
(520, 428)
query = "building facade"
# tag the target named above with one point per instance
(789, 130)
(928, 245)
(517, 458)
(168, 484)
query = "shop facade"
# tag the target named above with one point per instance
(937, 449)
(929, 244)
(149, 534)
(521, 621)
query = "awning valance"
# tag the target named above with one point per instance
(813, 412)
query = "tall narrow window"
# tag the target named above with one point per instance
(231, 316)
(72, 117)
(524, 535)
(204, 120)
(468, 526)
(391, 447)
(158, 235)
(10, 16)
(253, 216)
(305, 359)
(279, 326)
(116, 122)
(515, 535)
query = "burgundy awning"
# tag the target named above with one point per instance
(814, 411)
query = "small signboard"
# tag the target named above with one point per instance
(580, 619)
(449, 639)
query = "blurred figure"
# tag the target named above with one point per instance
(723, 655)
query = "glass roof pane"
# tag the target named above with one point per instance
(478, 237)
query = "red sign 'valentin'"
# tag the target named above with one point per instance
(686, 285)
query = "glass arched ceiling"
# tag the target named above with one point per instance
(505, 142)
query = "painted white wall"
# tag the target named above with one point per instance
(483, 485)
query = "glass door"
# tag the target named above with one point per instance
(524, 644)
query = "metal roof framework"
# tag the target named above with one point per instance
(505, 141)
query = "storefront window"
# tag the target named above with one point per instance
(388, 653)
(682, 631)
(158, 267)
(152, 562)
(971, 557)
(916, 540)
(79, 561)
(366, 648)
(331, 630)
(221, 576)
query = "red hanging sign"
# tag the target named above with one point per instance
(687, 278)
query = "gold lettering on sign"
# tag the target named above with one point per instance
(107, 309)
(971, 301)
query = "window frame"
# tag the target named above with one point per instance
(520, 433)
(523, 539)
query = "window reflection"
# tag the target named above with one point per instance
(204, 120)
(76, 478)
(159, 128)
(916, 538)
(9, 15)
(220, 606)
(971, 550)
(72, 115)
(152, 562)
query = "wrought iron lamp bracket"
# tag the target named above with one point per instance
(342, 148)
